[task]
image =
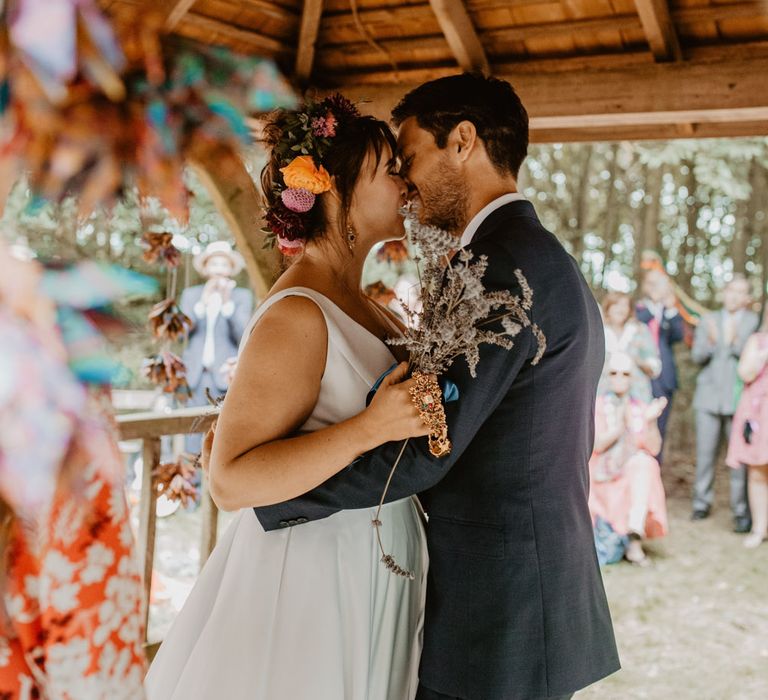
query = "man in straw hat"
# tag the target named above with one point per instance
(220, 311)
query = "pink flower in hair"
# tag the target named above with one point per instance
(288, 247)
(298, 199)
(324, 126)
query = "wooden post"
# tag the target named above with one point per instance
(147, 520)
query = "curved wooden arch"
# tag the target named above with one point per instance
(236, 196)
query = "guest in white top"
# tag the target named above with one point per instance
(624, 334)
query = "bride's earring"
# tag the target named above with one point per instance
(351, 238)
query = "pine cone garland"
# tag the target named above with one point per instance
(380, 293)
(175, 480)
(168, 322)
(159, 248)
(166, 370)
(392, 252)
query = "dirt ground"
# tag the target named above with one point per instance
(694, 625)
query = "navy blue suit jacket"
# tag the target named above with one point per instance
(671, 331)
(515, 604)
(227, 333)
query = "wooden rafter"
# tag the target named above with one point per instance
(308, 31)
(715, 13)
(460, 34)
(653, 132)
(659, 29)
(176, 12)
(646, 97)
(216, 27)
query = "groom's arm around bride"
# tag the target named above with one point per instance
(515, 604)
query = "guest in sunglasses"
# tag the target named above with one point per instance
(624, 333)
(626, 489)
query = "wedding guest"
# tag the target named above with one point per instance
(625, 480)
(624, 333)
(70, 592)
(658, 310)
(749, 438)
(718, 343)
(220, 311)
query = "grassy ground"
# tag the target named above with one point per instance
(694, 625)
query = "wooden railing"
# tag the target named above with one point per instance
(150, 427)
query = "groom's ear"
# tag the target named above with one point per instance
(464, 139)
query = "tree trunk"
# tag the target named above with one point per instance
(746, 223)
(647, 237)
(689, 245)
(611, 225)
(582, 202)
(761, 231)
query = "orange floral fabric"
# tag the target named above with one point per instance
(72, 628)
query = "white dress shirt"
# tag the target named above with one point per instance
(210, 312)
(484, 213)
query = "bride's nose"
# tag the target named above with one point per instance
(402, 186)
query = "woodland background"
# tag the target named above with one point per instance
(693, 624)
(702, 204)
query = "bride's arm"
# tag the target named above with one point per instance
(253, 461)
(361, 485)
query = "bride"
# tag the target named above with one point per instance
(309, 611)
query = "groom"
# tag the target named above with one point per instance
(515, 603)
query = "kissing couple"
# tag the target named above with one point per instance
(506, 600)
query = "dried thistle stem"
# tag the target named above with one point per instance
(387, 559)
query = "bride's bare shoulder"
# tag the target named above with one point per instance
(291, 318)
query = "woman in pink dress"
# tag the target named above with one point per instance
(749, 437)
(625, 480)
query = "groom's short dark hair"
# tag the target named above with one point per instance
(492, 105)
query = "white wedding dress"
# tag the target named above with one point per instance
(306, 612)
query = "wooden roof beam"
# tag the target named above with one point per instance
(461, 35)
(257, 41)
(659, 29)
(308, 31)
(650, 96)
(176, 12)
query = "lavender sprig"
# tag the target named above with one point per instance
(456, 312)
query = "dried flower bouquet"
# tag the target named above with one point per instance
(457, 316)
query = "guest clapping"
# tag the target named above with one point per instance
(749, 437)
(626, 489)
(658, 310)
(719, 341)
(624, 333)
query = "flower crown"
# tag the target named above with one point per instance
(306, 137)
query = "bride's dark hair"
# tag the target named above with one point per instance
(357, 137)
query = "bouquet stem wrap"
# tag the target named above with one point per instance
(427, 397)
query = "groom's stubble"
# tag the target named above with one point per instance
(445, 198)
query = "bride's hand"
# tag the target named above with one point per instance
(392, 414)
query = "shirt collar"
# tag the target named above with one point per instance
(484, 213)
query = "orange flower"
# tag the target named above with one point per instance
(301, 173)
